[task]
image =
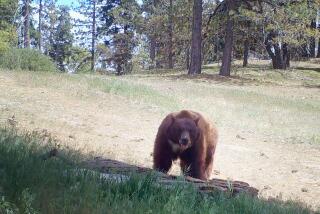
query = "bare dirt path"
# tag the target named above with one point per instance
(115, 127)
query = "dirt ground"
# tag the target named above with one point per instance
(115, 127)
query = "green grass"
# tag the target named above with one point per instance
(30, 184)
(133, 91)
(260, 72)
(267, 112)
(80, 85)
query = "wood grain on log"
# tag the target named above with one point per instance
(109, 167)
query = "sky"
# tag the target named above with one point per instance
(65, 2)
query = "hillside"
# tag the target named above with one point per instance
(269, 131)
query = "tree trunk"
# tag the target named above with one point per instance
(228, 43)
(318, 20)
(286, 56)
(279, 56)
(195, 65)
(245, 53)
(312, 47)
(26, 15)
(119, 69)
(271, 54)
(93, 42)
(313, 41)
(188, 57)
(40, 25)
(152, 51)
(318, 54)
(170, 34)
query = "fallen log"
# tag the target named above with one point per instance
(112, 168)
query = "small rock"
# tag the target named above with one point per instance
(263, 155)
(12, 121)
(267, 187)
(137, 140)
(238, 136)
(304, 189)
(294, 171)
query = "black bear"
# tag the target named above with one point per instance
(186, 135)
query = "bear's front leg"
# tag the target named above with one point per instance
(162, 159)
(197, 170)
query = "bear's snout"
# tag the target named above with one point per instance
(184, 141)
(184, 138)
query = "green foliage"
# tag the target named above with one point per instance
(25, 59)
(49, 22)
(80, 60)
(290, 20)
(60, 50)
(6, 37)
(32, 184)
(7, 207)
(120, 25)
(156, 28)
(141, 59)
(7, 29)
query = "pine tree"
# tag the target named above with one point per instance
(8, 10)
(87, 26)
(119, 31)
(62, 39)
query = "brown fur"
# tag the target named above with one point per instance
(196, 158)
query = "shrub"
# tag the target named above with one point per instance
(26, 59)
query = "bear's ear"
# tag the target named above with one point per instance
(171, 120)
(197, 121)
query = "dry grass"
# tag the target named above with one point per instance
(267, 120)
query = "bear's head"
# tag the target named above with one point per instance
(182, 133)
